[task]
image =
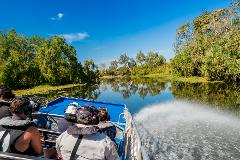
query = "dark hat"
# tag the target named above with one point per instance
(87, 115)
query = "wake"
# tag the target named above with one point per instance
(184, 130)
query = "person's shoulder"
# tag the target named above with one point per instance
(104, 138)
(64, 134)
(31, 132)
(100, 135)
(32, 129)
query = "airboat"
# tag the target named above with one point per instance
(127, 139)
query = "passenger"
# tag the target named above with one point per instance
(83, 141)
(40, 120)
(18, 134)
(5, 96)
(105, 125)
(69, 117)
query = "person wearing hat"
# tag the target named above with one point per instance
(18, 133)
(69, 117)
(5, 96)
(82, 140)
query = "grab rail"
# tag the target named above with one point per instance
(13, 156)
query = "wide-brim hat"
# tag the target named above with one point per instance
(100, 125)
(87, 115)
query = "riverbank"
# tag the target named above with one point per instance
(167, 77)
(43, 89)
(173, 78)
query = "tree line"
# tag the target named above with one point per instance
(27, 62)
(208, 46)
(140, 65)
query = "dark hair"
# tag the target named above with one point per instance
(87, 115)
(21, 105)
(6, 93)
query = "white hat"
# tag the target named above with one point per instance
(74, 104)
(72, 108)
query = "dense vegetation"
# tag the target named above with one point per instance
(27, 62)
(209, 46)
(90, 91)
(140, 65)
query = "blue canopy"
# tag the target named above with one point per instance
(58, 106)
(115, 111)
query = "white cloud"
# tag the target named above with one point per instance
(71, 37)
(58, 17)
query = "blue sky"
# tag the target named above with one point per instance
(103, 29)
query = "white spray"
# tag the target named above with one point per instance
(183, 130)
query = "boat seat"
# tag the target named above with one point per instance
(48, 137)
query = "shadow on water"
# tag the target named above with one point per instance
(184, 130)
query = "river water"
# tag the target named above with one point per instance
(175, 120)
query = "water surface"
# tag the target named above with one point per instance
(175, 120)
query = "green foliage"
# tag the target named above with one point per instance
(140, 58)
(17, 61)
(27, 62)
(209, 46)
(90, 71)
(183, 65)
(123, 59)
(223, 59)
(140, 65)
(89, 91)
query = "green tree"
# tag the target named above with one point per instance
(27, 62)
(209, 45)
(91, 72)
(113, 65)
(140, 58)
(123, 59)
(18, 70)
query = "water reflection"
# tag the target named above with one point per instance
(221, 95)
(137, 93)
(142, 86)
